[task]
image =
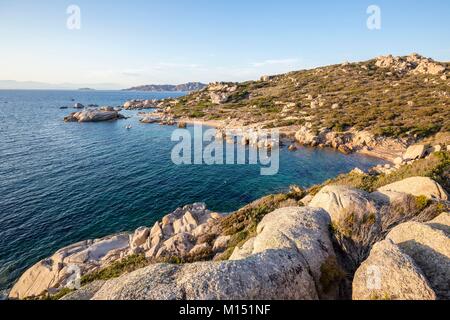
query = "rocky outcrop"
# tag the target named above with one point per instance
(350, 141)
(413, 63)
(417, 186)
(218, 98)
(285, 262)
(428, 244)
(361, 219)
(283, 277)
(178, 234)
(220, 92)
(57, 271)
(94, 116)
(342, 202)
(85, 293)
(389, 274)
(416, 152)
(140, 104)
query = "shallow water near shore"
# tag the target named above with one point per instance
(65, 182)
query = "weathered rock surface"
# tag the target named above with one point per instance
(220, 92)
(55, 272)
(350, 141)
(243, 251)
(388, 197)
(85, 293)
(413, 63)
(176, 235)
(415, 152)
(283, 277)
(218, 98)
(428, 244)
(390, 274)
(285, 263)
(93, 116)
(342, 201)
(140, 237)
(418, 186)
(161, 118)
(221, 243)
(140, 104)
(294, 227)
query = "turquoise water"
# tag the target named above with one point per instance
(64, 182)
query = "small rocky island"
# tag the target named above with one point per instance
(95, 115)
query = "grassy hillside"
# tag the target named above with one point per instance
(363, 96)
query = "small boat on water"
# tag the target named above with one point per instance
(128, 127)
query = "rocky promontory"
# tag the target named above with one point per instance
(378, 107)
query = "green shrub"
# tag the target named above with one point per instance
(422, 202)
(126, 265)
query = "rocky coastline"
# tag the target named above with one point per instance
(320, 241)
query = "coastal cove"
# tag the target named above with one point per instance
(66, 182)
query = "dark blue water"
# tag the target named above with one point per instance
(64, 182)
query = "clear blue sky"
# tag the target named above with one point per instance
(173, 41)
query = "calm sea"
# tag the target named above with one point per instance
(65, 182)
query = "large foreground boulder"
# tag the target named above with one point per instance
(285, 261)
(291, 228)
(413, 263)
(418, 186)
(342, 202)
(388, 273)
(428, 244)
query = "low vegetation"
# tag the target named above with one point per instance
(436, 167)
(356, 235)
(339, 97)
(116, 269)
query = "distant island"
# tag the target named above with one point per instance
(86, 89)
(186, 87)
